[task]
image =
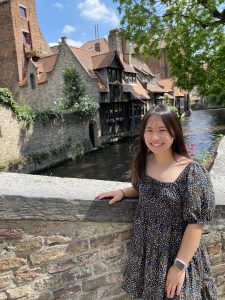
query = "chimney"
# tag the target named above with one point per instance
(115, 42)
(97, 47)
(64, 40)
(126, 51)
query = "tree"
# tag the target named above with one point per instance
(76, 98)
(190, 31)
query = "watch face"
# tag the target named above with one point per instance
(179, 265)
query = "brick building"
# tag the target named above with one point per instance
(119, 81)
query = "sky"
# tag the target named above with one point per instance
(76, 19)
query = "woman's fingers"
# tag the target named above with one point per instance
(171, 291)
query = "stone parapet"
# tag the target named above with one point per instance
(58, 242)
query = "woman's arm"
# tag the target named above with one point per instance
(190, 243)
(119, 194)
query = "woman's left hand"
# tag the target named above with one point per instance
(174, 282)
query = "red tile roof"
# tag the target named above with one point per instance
(90, 46)
(154, 88)
(102, 60)
(136, 90)
(168, 84)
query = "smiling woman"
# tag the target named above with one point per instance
(167, 259)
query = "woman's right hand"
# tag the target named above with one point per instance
(116, 196)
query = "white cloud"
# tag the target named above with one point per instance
(73, 43)
(68, 29)
(58, 5)
(53, 44)
(98, 11)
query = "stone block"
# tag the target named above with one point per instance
(66, 292)
(11, 262)
(57, 239)
(3, 296)
(93, 284)
(108, 290)
(84, 259)
(75, 247)
(110, 239)
(60, 266)
(4, 281)
(25, 274)
(28, 245)
(218, 270)
(18, 292)
(215, 249)
(110, 265)
(11, 234)
(49, 254)
(112, 251)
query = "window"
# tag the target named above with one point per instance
(32, 81)
(26, 37)
(23, 11)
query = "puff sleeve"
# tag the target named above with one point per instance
(199, 200)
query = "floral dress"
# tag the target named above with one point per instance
(163, 212)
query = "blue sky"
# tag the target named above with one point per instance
(76, 19)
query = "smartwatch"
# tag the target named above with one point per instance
(179, 264)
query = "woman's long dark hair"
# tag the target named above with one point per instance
(173, 125)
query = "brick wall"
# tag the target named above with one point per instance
(55, 246)
(12, 57)
(45, 143)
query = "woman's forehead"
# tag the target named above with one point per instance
(155, 121)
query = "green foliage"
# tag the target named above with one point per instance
(191, 32)
(76, 99)
(74, 88)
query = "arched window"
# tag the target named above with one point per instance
(32, 81)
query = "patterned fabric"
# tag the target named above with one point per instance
(163, 212)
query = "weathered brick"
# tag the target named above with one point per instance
(110, 239)
(67, 291)
(55, 281)
(86, 258)
(93, 284)
(29, 245)
(212, 238)
(110, 265)
(218, 270)
(3, 296)
(57, 239)
(11, 234)
(112, 252)
(49, 254)
(11, 262)
(83, 272)
(19, 292)
(60, 266)
(108, 290)
(25, 274)
(75, 247)
(215, 249)
(4, 281)
(123, 296)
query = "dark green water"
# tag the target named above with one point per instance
(112, 162)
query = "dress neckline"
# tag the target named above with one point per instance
(170, 182)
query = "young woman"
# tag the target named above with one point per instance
(168, 259)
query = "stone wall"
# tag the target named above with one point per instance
(43, 144)
(57, 242)
(48, 93)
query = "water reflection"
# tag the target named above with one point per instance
(113, 161)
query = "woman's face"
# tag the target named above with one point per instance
(156, 136)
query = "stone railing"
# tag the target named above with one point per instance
(56, 242)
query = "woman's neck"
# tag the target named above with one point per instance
(163, 160)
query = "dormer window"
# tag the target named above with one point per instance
(130, 77)
(32, 81)
(23, 11)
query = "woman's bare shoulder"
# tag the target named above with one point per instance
(183, 160)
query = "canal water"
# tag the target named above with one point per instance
(113, 162)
